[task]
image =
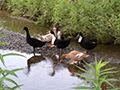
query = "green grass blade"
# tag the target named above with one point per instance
(112, 79)
(109, 83)
(18, 69)
(84, 76)
(108, 72)
(83, 82)
(114, 89)
(2, 60)
(85, 71)
(102, 79)
(10, 72)
(12, 81)
(107, 69)
(14, 88)
(90, 66)
(14, 54)
(1, 71)
(103, 64)
(82, 87)
(1, 43)
(6, 88)
(2, 35)
(14, 70)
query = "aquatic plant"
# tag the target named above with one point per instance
(100, 76)
(4, 73)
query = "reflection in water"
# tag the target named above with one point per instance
(33, 60)
(56, 65)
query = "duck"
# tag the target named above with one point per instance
(60, 43)
(58, 31)
(74, 55)
(47, 38)
(85, 43)
(33, 41)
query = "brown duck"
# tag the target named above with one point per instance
(75, 55)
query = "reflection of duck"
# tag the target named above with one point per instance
(75, 55)
(73, 69)
(34, 59)
(32, 41)
(61, 44)
(87, 44)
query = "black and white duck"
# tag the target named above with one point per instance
(33, 41)
(60, 43)
(85, 43)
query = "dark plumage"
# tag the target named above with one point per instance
(85, 43)
(33, 41)
(61, 44)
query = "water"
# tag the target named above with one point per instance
(44, 74)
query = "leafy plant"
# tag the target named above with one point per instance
(100, 76)
(5, 73)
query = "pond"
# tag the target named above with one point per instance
(46, 72)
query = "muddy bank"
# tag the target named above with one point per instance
(17, 41)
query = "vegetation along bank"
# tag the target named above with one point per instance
(98, 20)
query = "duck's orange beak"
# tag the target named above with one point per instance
(51, 45)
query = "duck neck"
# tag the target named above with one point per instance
(80, 39)
(53, 39)
(27, 34)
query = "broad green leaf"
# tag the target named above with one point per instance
(89, 65)
(1, 43)
(14, 54)
(85, 71)
(2, 60)
(12, 81)
(82, 87)
(10, 72)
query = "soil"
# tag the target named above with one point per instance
(17, 41)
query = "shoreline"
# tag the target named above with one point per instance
(17, 41)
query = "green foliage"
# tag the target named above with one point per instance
(99, 75)
(5, 73)
(96, 19)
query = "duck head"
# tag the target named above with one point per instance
(79, 34)
(25, 28)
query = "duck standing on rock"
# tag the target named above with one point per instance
(75, 55)
(33, 41)
(85, 43)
